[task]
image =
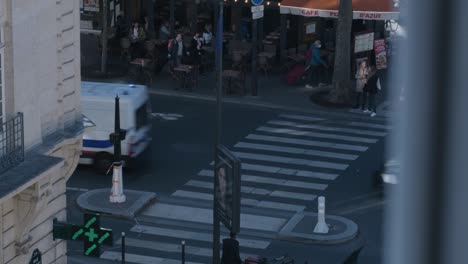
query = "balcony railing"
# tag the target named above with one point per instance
(11, 143)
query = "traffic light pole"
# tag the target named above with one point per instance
(219, 73)
(254, 56)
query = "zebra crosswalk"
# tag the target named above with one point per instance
(287, 162)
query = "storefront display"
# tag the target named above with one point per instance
(380, 54)
(363, 42)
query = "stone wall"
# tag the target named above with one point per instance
(42, 77)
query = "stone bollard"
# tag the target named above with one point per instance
(321, 227)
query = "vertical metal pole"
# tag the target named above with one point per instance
(219, 93)
(172, 17)
(104, 37)
(283, 37)
(254, 56)
(123, 248)
(183, 251)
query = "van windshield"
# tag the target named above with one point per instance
(141, 116)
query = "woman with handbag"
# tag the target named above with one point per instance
(361, 80)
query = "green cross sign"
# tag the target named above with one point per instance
(90, 233)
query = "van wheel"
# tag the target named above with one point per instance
(102, 162)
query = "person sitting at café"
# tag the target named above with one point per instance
(207, 35)
(164, 32)
(137, 32)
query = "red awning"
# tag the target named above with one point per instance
(362, 9)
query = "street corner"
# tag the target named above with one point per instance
(97, 201)
(300, 228)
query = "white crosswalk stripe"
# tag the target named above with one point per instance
(307, 142)
(140, 259)
(293, 150)
(273, 181)
(315, 134)
(367, 125)
(286, 163)
(281, 159)
(195, 235)
(327, 128)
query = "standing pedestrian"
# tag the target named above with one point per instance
(371, 89)
(176, 50)
(197, 49)
(164, 32)
(362, 74)
(231, 254)
(315, 65)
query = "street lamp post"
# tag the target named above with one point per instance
(219, 73)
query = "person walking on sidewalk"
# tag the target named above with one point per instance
(231, 254)
(361, 79)
(371, 89)
(315, 65)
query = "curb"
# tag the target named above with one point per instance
(351, 230)
(249, 102)
(97, 201)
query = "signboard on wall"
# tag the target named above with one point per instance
(380, 54)
(310, 28)
(91, 5)
(364, 42)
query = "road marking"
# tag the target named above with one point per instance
(201, 215)
(140, 259)
(282, 194)
(315, 134)
(305, 118)
(294, 195)
(327, 128)
(286, 207)
(273, 181)
(190, 235)
(173, 248)
(296, 151)
(280, 159)
(293, 172)
(77, 189)
(307, 142)
(361, 124)
(244, 189)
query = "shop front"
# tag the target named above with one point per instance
(317, 20)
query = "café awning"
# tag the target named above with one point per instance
(362, 9)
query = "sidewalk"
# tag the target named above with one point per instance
(273, 91)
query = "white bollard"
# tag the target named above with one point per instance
(321, 227)
(117, 195)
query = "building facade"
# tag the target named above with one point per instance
(41, 123)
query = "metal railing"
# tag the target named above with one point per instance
(11, 143)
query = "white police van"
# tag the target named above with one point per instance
(98, 105)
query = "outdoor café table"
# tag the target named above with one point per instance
(140, 64)
(186, 74)
(230, 76)
(268, 55)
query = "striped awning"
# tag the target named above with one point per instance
(362, 9)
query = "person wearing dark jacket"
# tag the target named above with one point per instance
(176, 50)
(371, 90)
(231, 253)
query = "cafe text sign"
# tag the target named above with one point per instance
(334, 13)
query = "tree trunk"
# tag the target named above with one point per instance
(341, 90)
(104, 38)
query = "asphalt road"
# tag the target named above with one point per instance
(183, 147)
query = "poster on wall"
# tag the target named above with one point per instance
(91, 5)
(310, 28)
(380, 54)
(364, 42)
